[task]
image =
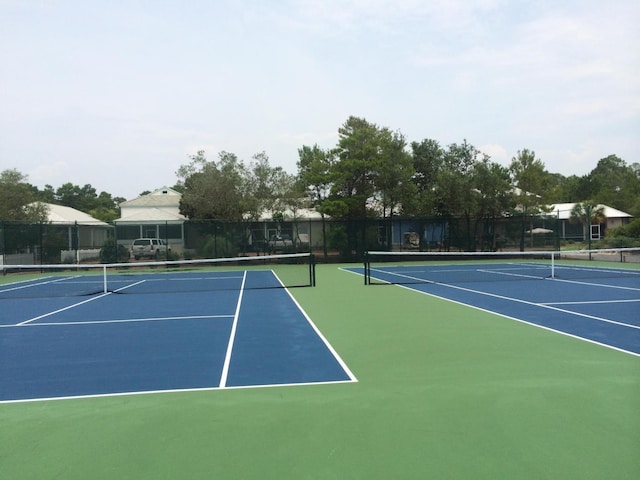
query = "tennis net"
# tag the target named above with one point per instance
(182, 276)
(459, 267)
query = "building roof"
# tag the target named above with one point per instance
(563, 210)
(61, 215)
(161, 205)
(162, 197)
(152, 214)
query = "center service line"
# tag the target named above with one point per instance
(232, 336)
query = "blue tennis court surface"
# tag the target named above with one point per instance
(600, 305)
(106, 343)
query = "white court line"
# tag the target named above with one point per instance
(183, 279)
(23, 285)
(498, 272)
(620, 271)
(126, 320)
(69, 307)
(62, 309)
(601, 285)
(172, 390)
(587, 302)
(232, 336)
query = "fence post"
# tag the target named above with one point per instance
(41, 240)
(76, 241)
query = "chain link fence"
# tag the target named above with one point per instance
(330, 240)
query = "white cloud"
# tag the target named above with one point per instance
(498, 153)
(54, 174)
(555, 46)
(570, 162)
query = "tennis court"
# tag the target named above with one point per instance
(445, 389)
(73, 334)
(595, 301)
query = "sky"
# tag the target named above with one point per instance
(119, 94)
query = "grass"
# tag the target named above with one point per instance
(444, 391)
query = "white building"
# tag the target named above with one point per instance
(155, 215)
(74, 234)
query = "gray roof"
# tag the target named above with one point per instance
(152, 215)
(61, 215)
(162, 197)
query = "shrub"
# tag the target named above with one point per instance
(111, 252)
(632, 230)
(218, 246)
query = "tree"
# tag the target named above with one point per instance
(314, 175)
(634, 204)
(214, 190)
(106, 207)
(455, 195)
(270, 188)
(532, 179)
(569, 189)
(428, 160)
(17, 200)
(47, 195)
(74, 196)
(615, 184)
(293, 196)
(395, 171)
(102, 207)
(314, 172)
(355, 195)
(354, 172)
(587, 213)
(494, 195)
(454, 187)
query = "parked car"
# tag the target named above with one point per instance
(149, 248)
(279, 243)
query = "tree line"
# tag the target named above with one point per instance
(21, 201)
(372, 171)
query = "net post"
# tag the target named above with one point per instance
(312, 269)
(367, 266)
(553, 265)
(104, 278)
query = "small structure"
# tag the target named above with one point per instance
(66, 236)
(91, 232)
